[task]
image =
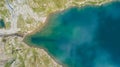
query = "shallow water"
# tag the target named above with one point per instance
(2, 25)
(82, 37)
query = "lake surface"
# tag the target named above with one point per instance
(82, 37)
(2, 25)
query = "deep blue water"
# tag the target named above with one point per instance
(82, 37)
(2, 25)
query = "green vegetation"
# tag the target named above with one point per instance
(9, 63)
(7, 25)
(26, 56)
(3, 9)
(54, 5)
(42, 8)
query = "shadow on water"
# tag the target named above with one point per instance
(78, 37)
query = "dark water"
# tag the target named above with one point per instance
(2, 25)
(82, 37)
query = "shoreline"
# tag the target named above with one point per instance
(46, 51)
(26, 39)
(52, 13)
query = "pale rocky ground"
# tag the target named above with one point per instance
(26, 17)
(17, 54)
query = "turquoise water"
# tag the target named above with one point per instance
(2, 25)
(82, 37)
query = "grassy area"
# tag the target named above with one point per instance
(54, 5)
(3, 9)
(44, 7)
(7, 25)
(25, 56)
